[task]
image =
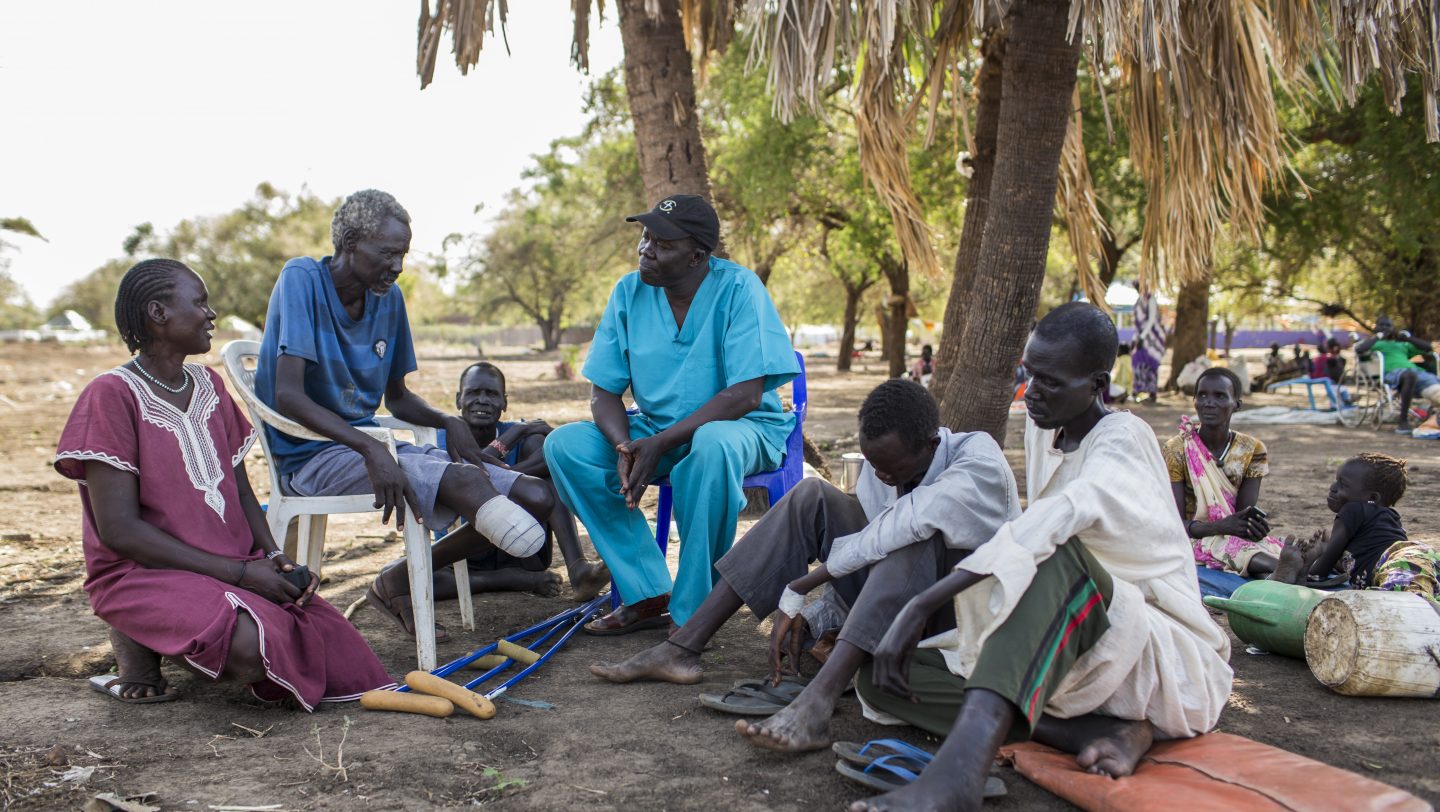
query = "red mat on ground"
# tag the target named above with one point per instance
(1217, 771)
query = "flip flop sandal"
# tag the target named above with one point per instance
(790, 687)
(866, 754)
(110, 686)
(889, 773)
(745, 702)
(1334, 580)
(387, 607)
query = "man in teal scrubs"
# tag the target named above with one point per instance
(699, 345)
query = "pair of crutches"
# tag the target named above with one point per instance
(568, 621)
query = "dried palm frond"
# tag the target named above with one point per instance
(1204, 133)
(468, 21)
(882, 131)
(1075, 198)
(709, 27)
(1392, 38)
(798, 42)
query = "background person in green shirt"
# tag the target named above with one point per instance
(1401, 373)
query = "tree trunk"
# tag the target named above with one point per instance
(897, 311)
(550, 331)
(847, 326)
(1036, 90)
(1192, 316)
(661, 87)
(899, 324)
(977, 206)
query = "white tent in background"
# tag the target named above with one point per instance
(1120, 295)
(67, 320)
(234, 326)
(69, 326)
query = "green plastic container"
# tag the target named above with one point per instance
(1270, 615)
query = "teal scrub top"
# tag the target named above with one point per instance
(732, 334)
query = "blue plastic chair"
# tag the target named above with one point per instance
(777, 483)
(1310, 383)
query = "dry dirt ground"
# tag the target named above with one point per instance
(601, 746)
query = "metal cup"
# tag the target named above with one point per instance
(850, 465)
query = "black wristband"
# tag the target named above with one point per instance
(241, 576)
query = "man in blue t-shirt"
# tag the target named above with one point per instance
(337, 342)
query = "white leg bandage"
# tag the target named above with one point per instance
(509, 527)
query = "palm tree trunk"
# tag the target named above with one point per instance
(661, 86)
(977, 207)
(1037, 85)
(1192, 316)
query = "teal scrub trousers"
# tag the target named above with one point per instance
(705, 475)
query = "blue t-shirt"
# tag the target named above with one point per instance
(351, 362)
(513, 455)
(731, 334)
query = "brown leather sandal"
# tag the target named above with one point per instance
(651, 613)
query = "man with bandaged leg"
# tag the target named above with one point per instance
(337, 341)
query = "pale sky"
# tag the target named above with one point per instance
(119, 112)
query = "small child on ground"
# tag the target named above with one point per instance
(1367, 531)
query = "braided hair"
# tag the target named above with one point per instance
(146, 282)
(1386, 476)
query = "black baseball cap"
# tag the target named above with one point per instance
(680, 216)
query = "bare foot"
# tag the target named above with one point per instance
(665, 662)
(137, 667)
(513, 579)
(928, 793)
(803, 725)
(1116, 751)
(1291, 568)
(588, 578)
(546, 584)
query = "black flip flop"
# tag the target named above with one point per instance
(756, 697)
(744, 702)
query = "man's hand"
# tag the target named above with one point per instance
(263, 578)
(892, 656)
(392, 489)
(461, 445)
(637, 472)
(787, 634)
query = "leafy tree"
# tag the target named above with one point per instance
(16, 309)
(239, 253)
(1360, 235)
(558, 246)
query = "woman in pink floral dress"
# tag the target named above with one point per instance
(1216, 474)
(179, 560)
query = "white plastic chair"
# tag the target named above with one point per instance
(311, 513)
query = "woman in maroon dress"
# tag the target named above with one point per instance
(179, 560)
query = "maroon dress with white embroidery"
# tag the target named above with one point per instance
(185, 462)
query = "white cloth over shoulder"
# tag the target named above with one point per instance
(966, 495)
(1163, 659)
